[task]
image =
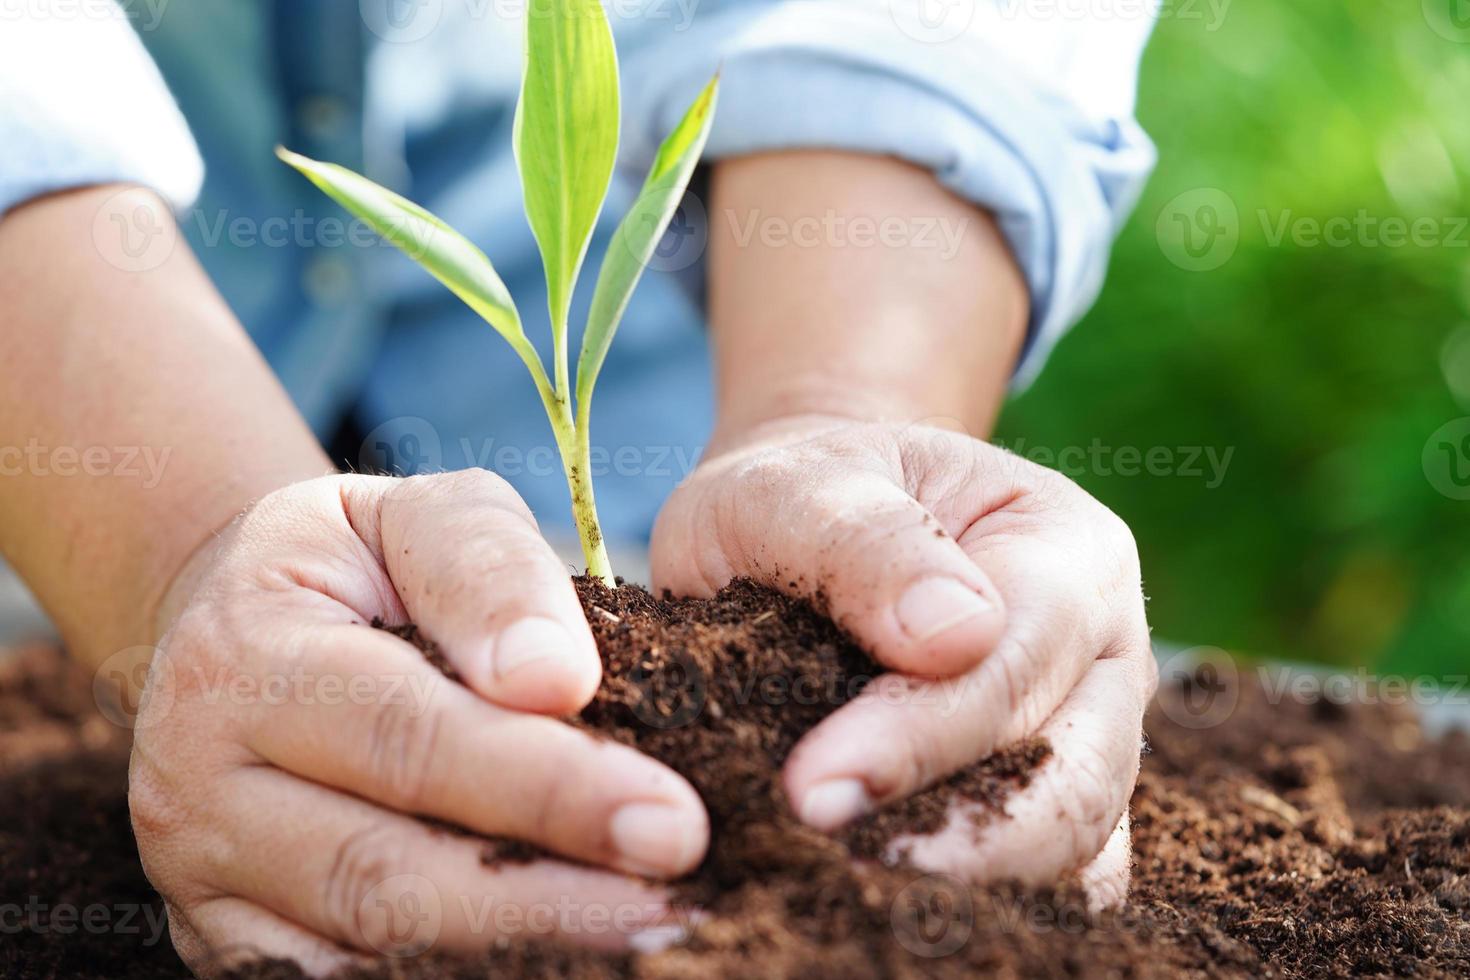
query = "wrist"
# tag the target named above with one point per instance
(802, 408)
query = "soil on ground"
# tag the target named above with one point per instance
(1283, 839)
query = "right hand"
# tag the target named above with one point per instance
(285, 748)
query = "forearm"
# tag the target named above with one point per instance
(137, 419)
(852, 285)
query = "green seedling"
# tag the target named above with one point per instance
(565, 142)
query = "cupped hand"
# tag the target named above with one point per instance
(1006, 602)
(286, 751)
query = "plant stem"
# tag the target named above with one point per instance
(574, 446)
(584, 511)
(575, 449)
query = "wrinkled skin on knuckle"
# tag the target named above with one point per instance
(944, 470)
(156, 817)
(1091, 800)
(363, 860)
(403, 754)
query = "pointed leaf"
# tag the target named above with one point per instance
(445, 253)
(639, 233)
(566, 136)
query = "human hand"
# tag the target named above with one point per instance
(1006, 601)
(284, 747)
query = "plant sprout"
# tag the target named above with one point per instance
(566, 143)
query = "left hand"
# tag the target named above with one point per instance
(1006, 601)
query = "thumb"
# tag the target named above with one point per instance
(854, 541)
(472, 570)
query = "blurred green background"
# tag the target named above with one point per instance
(1326, 366)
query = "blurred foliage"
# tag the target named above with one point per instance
(1326, 367)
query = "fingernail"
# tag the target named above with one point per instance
(654, 839)
(534, 640)
(656, 939)
(936, 605)
(829, 805)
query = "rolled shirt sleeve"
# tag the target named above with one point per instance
(81, 103)
(1024, 107)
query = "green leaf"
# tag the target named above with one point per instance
(445, 253)
(638, 235)
(566, 138)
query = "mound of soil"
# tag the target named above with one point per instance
(1290, 840)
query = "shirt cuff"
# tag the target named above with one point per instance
(81, 103)
(1060, 179)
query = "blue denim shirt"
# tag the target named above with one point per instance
(1028, 115)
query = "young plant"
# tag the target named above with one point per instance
(565, 142)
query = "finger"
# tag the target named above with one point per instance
(373, 719)
(903, 734)
(221, 935)
(885, 568)
(368, 879)
(1072, 807)
(473, 571)
(1105, 880)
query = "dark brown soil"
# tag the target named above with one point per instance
(1290, 841)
